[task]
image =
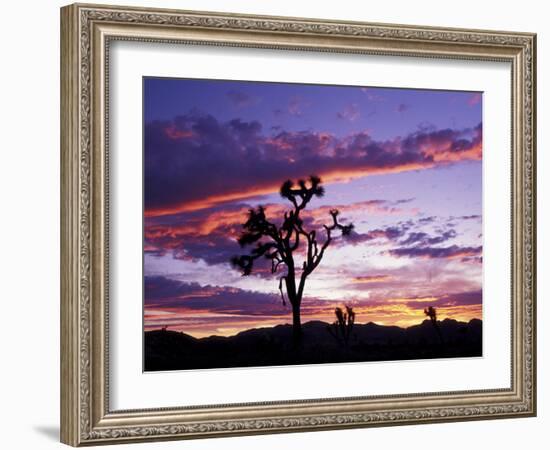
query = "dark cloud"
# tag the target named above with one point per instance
(211, 249)
(421, 238)
(473, 259)
(454, 251)
(425, 220)
(391, 233)
(196, 161)
(470, 217)
(168, 293)
(207, 235)
(161, 288)
(449, 300)
(404, 200)
(452, 140)
(464, 298)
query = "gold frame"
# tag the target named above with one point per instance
(86, 31)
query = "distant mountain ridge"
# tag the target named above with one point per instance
(172, 350)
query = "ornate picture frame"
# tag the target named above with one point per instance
(87, 32)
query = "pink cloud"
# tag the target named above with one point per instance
(474, 99)
(251, 163)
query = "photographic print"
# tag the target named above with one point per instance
(294, 224)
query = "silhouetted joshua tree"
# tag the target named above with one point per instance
(432, 314)
(279, 244)
(343, 325)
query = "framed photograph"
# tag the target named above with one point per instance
(275, 224)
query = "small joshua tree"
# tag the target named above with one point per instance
(280, 244)
(432, 314)
(343, 325)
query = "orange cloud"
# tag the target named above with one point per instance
(276, 156)
(337, 176)
(371, 279)
(174, 133)
(438, 155)
(210, 201)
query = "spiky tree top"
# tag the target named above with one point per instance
(431, 313)
(342, 327)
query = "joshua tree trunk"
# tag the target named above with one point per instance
(432, 314)
(295, 301)
(296, 323)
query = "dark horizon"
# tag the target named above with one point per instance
(173, 350)
(289, 324)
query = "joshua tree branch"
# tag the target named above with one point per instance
(281, 289)
(324, 246)
(296, 241)
(275, 263)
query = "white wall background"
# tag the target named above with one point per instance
(29, 224)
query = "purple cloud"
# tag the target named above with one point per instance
(470, 217)
(211, 234)
(452, 252)
(196, 161)
(426, 220)
(424, 239)
(168, 293)
(450, 300)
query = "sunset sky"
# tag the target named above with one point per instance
(403, 165)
